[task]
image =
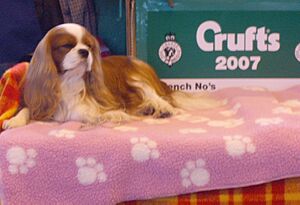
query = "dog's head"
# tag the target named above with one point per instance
(71, 47)
(66, 51)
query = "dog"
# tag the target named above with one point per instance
(68, 81)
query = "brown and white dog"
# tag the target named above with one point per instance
(68, 81)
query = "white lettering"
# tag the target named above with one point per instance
(203, 28)
(236, 45)
(265, 41)
(274, 40)
(261, 39)
(250, 37)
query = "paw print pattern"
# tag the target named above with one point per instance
(294, 103)
(144, 149)
(62, 133)
(283, 110)
(290, 107)
(229, 123)
(239, 145)
(198, 120)
(254, 88)
(20, 159)
(126, 129)
(192, 131)
(194, 173)
(268, 121)
(152, 121)
(89, 171)
(232, 111)
(183, 117)
(191, 119)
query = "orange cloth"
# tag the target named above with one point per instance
(283, 192)
(10, 88)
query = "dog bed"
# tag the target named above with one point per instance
(253, 139)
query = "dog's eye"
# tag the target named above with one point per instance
(68, 45)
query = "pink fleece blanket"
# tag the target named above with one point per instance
(254, 138)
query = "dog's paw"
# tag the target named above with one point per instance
(21, 119)
(13, 123)
(163, 114)
(165, 111)
(155, 112)
(160, 109)
(146, 111)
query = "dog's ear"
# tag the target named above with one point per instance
(95, 81)
(41, 88)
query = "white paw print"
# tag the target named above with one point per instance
(192, 131)
(229, 123)
(191, 119)
(183, 117)
(269, 121)
(283, 110)
(144, 149)
(62, 133)
(20, 159)
(152, 121)
(287, 107)
(292, 103)
(89, 171)
(126, 129)
(232, 111)
(198, 119)
(194, 173)
(239, 145)
(254, 88)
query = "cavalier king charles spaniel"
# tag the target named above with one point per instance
(68, 81)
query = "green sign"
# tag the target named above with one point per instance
(220, 39)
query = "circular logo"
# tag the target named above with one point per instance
(297, 52)
(170, 52)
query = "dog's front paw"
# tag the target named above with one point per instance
(13, 123)
(21, 119)
(146, 111)
(165, 111)
(163, 114)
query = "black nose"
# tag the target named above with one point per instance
(83, 53)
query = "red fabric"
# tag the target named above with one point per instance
(10, 88)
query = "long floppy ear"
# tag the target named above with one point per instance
(41, 88)
(95, 82)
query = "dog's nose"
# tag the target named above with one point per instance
(83, 53)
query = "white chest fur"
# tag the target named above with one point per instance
(74, 104)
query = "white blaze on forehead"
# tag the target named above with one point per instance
(74, 29)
